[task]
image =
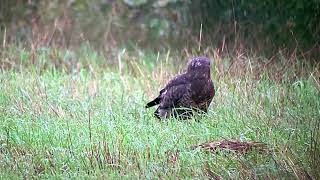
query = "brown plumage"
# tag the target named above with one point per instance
(187, 92)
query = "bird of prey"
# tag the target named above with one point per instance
(187, 92)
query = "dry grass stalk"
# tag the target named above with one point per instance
(233, 145)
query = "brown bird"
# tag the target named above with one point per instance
(187, 92)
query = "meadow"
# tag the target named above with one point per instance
(80, 114)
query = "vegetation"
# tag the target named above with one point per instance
(259, 26)
(75, 77)
(68, 113)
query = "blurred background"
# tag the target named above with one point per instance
(229, 26)
(75, 76)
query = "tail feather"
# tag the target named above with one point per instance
(153, 103)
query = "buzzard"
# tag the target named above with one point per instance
(187, 92)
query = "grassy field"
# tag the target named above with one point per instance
(68, 114)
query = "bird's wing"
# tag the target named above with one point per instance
(175, 95)
(176, 81)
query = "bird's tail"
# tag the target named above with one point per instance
(153, 103)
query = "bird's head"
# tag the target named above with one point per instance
(199, 66)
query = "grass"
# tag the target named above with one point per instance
(71, 114)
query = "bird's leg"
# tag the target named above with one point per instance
(162, 113)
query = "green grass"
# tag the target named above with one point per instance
(73, 114)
